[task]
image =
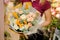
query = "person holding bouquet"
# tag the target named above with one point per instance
(44, 8)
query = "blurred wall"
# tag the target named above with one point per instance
(1, 20)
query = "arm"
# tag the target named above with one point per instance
(47, 18)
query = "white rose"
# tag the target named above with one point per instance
(20, 12)
(15, 27)
(23, 17)
(26, 27)
(30, 19)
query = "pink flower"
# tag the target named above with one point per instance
(31, 15)
(29, 24)
(6, 1)
(30, 19)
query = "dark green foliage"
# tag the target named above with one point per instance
(6, 34)
(18, 30)
(58, 24)
(54, 22)
(56, 38)
(16, 2)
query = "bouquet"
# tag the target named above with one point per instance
(22, 19)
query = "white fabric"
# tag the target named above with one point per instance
(57, 34)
